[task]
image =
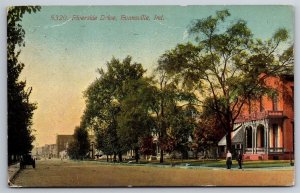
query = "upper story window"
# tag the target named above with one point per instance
(275, 102)
(261, 105)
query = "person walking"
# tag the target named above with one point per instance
(228, 159)
(240, 159)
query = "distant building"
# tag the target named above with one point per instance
(266, 125)
(52, 150)
(62, 142)
(37, 151)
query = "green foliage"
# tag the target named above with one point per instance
(124, 108)
(135, 121)
(104, 100)
(174, 109)
(227, 64)
(73, 150)
(181, 123)
(80, 146)
(20, 110)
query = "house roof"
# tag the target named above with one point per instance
(237, 137)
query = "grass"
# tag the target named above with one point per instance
(212, 163)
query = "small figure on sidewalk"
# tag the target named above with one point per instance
(240, 159)
(228, 159)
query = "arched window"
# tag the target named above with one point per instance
(249, 137)
(277, 135)
(275, 102)
(260, 136)
(261, 105)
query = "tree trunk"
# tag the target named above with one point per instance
(120, 157)
(228, 141)
(115, 157)
(106, 158)
(161, 160)
(229, 127)
(162, 122)
(136, 151)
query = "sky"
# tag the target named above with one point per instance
(61, 57)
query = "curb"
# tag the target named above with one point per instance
(11, 176)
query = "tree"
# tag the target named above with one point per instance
(207, 132)
(73, 150)
(170, 99)
(227, 65)
(147, 145)
(103, 102)
(181, 123)
(134, 120)
(20, 110)
(80, 146)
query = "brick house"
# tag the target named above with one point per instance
(266, 125)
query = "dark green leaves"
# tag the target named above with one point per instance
(80, 145)
(20, 110)
(111, 98)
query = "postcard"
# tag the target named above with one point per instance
(150, 96)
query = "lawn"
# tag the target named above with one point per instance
(211, 163)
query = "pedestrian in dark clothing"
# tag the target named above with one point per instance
(228, 160)
(240, 160)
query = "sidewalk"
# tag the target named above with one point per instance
(188, 166)
(12, 172)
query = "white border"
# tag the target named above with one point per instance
(3, 99)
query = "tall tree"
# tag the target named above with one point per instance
(181, 123)
(103, 99)
(227, 64)
(80, 146)
(170, 98)
(135, 121)
(207, 133)
(20, 110)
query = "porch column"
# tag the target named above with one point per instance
(271, 138)
(255, 140)
(280, 135)
(266, 137)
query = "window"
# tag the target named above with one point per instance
(275, 135)
(261, 105)
(260, 136)
(249, 137)
(275, 102)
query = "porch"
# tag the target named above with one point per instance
(259, 139)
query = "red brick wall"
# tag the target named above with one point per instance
(284, 89)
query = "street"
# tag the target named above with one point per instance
(66, 173)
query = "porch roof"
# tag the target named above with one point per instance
(237, 137)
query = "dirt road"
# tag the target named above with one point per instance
(57, 173)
